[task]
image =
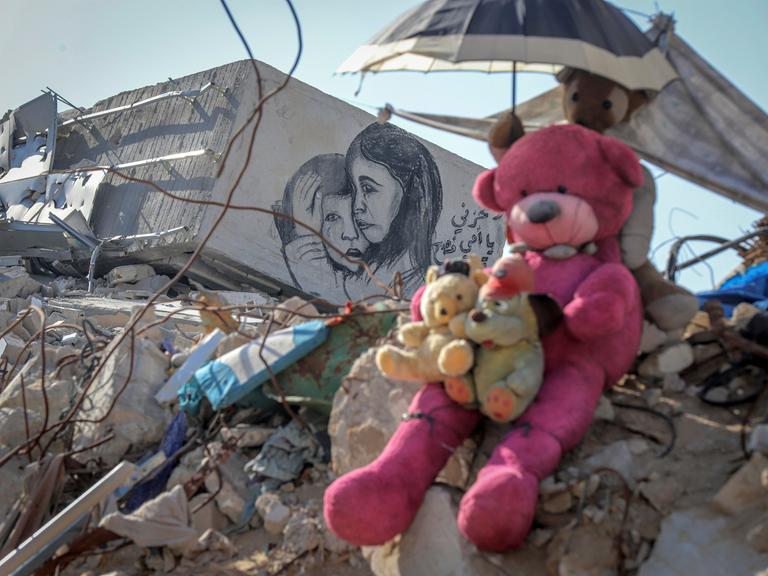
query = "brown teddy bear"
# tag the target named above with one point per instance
(433, 352)
(599, 104)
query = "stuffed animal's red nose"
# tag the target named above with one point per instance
(478, 316)
(542, 211)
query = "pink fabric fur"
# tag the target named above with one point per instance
(590, 351)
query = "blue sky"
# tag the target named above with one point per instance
(90, 49)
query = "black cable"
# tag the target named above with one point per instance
(237, 29)
(670, 423)
(720, 379)
(247, 46)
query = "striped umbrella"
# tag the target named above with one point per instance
(512, 35)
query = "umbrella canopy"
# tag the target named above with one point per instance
(508, 35)
(702, 127)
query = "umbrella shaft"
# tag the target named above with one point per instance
(514, 85)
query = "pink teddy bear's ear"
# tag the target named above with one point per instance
(622, 159)
(483, 191)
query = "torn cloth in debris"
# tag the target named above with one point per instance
(172, 442)
(236, 374)
(285, 454)
(164, 521)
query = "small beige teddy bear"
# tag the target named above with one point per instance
(431, 349)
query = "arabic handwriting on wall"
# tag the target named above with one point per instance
(469, 235)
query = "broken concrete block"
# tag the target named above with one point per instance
(180, 476)
(63, 284)
(701, 541)
(434, 545)
(595, 514)
(699, 324)
(704, 352)
(619, 456)
(673, 383)
(302, 533)
(13, 347)
(136, 419)
(661, 492)
(458, 469)
(274, 513)
(585, 488)
(744, 489)
(366, 412)
(758, 439)
(550, 486)
(333, 543)
(129, 274)
(151, 284)
(540, 536)
(58, 394)
(212, 546)
(208, 517)
(186, 468)
(558, 503)
(294, 311)
(13, 429)
(651, 396)
(669, 360)
(10, 474)
(604, 410)
(758, 537)
(718, 395)
(231, 495)
(585, 550)
(675, 358)
(15, 282)
(653, 337)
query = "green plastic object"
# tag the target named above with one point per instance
(313, 380)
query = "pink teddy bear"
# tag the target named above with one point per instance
(566, 192)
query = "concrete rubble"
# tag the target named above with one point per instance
(653, 489)
(246, 488)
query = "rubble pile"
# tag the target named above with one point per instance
(671, 479)
(230, 491)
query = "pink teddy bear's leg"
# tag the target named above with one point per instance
(498, 510)
(373, 504)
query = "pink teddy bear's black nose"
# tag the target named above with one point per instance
(542, 211)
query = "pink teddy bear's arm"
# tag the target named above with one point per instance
(601, 303)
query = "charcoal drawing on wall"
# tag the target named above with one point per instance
(379, 204)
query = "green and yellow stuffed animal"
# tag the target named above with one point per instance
(506, 324)
(432, 351)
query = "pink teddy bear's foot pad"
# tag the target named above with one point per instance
(497, 512)
(368, 508)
